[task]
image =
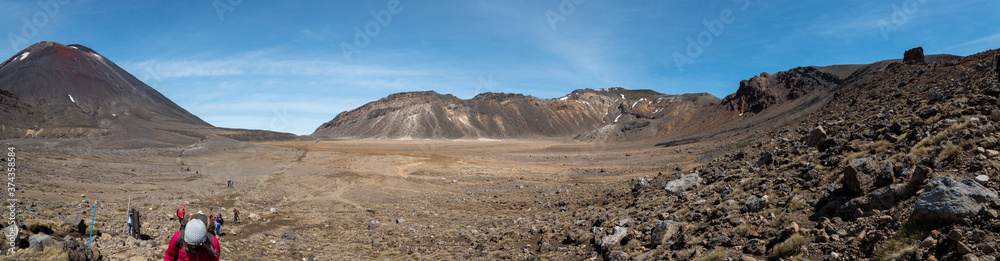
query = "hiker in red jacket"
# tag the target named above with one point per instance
(193, 243)
(180, 216)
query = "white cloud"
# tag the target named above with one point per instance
(978, 45)
(259, 66)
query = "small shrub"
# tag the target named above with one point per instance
(903, 242)
(49, 253)
(790, 247)
(716, 255)
(949, 153)
(797, 205)
(742, 230)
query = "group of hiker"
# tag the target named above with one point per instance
(996, 65)
(197, 233)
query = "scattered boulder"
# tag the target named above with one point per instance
(274, 210)
(40, 241)
(613, 239)
(684, 183)
(76, 223)
(77, 251)
(886, 176)
(755, 247)
(815, 136)
(290, 235)
(858, 176)
(640, 184)
(917, 177)
(827, 144)
(253, 216)
(754, 204)
(618, 256)
(982, 179)
(929, 112)
(766, 159)
(946, 200)
(664, 231)
(373, 224)
(740, 155)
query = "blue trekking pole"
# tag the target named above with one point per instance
(92, 224)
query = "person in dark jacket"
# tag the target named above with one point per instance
(218, 224)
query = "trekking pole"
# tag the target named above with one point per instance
(92, 224)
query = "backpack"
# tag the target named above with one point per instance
(208, 236)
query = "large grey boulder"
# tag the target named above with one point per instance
(665, 230)
(40, 241)
(609, 241)
(946, 200)
(684, 183)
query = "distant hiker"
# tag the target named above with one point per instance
(129, 222)
(218, 225)
(229, 183)
(211, 222)
(236, 216)
(996, 64)
(180, 216)
(193, 243)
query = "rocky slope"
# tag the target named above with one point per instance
(898, 166)
(72, 95)
(422, 115)
(605, 115)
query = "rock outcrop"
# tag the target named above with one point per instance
(914, 56)
(765, 90)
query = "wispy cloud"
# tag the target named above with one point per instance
(252, 66)
(978, 45)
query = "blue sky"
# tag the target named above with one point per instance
(282, 65)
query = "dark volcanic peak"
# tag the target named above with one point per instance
(56, 91)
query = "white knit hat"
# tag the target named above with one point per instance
(194, 232)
